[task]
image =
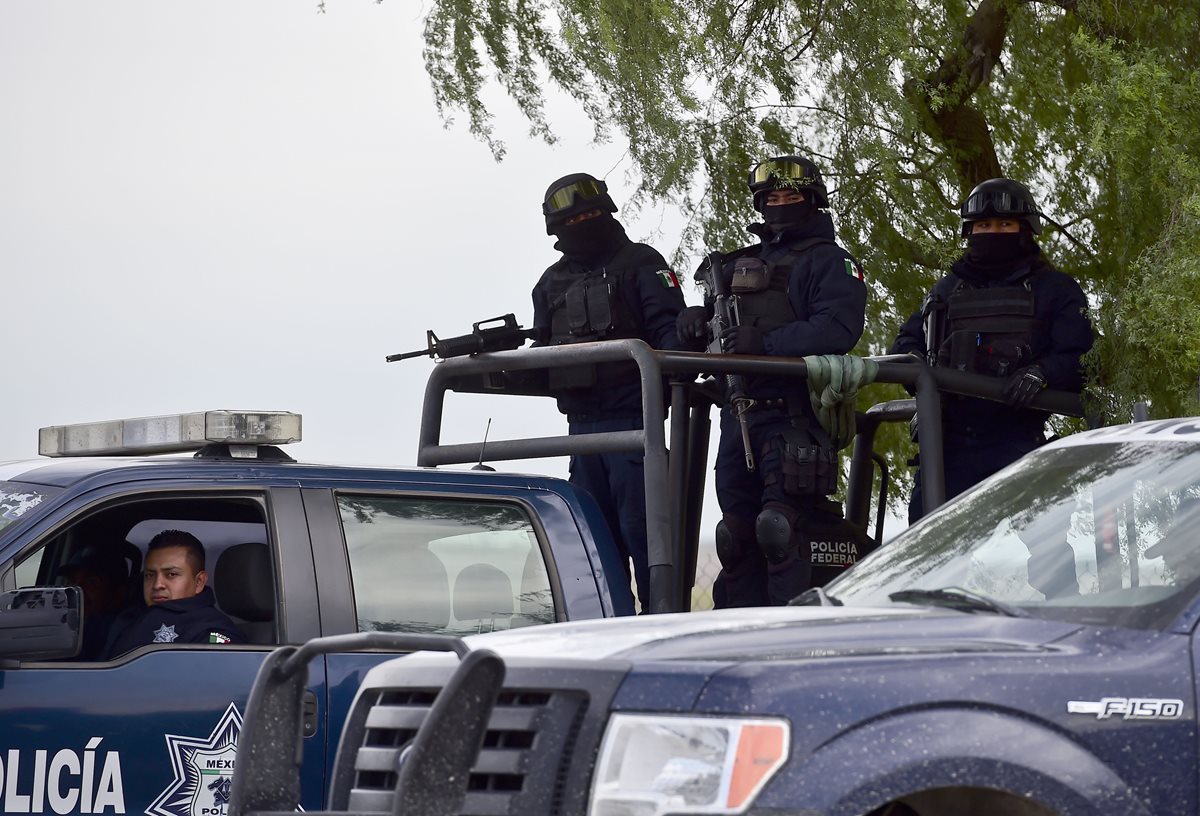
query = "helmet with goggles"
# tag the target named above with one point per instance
(574, 194)
(787, 173)
(1000, 198)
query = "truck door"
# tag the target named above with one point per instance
(401, 561)
(154, 730)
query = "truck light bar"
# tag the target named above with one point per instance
(173, 433)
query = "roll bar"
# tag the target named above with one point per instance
(675, 484)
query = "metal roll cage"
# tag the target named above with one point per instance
(675, 481)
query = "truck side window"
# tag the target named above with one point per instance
(102, 551)
(444, 566)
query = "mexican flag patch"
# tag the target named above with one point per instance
(854, 270)
(668, 279)
(217, 637)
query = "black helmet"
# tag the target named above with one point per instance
(784, 172)
(1000, 197)
(576, 193)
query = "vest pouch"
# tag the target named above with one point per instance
(599, 308)
(749, 275)
(575, 302)
(959, 350)
(1003, 354)
(807, 469)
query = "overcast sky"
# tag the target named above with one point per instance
(210, 205)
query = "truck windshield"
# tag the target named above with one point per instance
(17, 499)
(1103, 533)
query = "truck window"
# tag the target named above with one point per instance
(444, 566)
(102, 551)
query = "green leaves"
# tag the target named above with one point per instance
(905, 105)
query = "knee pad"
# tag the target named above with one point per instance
(773, 531)
(732, 541)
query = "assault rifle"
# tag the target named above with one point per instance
(494, 334)
(716, 289)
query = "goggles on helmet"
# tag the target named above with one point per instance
(996, 202)
(564, 197)
(787, 173)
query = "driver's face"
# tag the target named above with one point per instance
(169, 576)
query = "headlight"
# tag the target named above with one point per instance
(651, 764)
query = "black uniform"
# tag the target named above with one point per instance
(777, 519)
(997, 324)
(607, 287)
(186, 620)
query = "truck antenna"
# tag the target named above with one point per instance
(480, 465)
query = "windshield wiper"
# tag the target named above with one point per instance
(815, 596)
(957, 598)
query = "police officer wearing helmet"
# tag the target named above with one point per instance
(604, 287)
(798, 293)
(1003, 311)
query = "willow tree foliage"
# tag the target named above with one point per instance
(906, 104)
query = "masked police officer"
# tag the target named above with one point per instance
(604, 287)
(1003, 311)
(797, 293)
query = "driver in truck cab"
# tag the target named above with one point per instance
(180, 606)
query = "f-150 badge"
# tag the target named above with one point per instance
(1128, 708)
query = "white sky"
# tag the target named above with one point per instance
(247, 205)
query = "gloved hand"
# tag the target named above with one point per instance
(743, 340)
(691, 325)
(1023, 385)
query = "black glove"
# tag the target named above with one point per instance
(691, 325)
(743, 340)
(1023, 385)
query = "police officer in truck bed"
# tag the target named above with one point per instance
(798, 293)
(604, 287)
(1006, 312)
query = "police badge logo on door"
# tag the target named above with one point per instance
(203, 769)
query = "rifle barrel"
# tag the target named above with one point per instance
(392, 358)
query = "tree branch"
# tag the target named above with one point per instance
(942, 97)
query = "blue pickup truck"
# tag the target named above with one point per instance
(294, 551)
(1028, 649)
(300, 552)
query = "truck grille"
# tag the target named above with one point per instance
(522, 767)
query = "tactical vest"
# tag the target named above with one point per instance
(588, 307)
(986, 330)
(761, 287)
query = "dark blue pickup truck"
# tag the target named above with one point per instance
(1029, 649)
(294, 551)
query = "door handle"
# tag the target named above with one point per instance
(310, 714)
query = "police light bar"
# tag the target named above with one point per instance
(174, 433)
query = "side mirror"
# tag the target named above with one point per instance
(41, 623)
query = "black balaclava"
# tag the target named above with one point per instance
(591, 240)
(786, 215)
(996, 255)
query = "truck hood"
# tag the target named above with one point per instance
(738, 635)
